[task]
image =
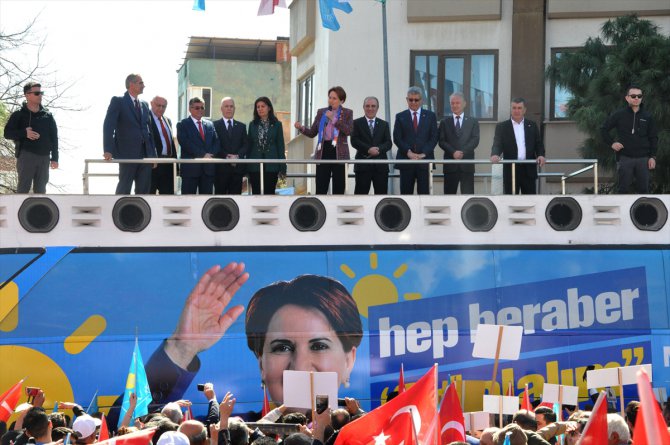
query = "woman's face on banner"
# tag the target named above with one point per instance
(301, 339)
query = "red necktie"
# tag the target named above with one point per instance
(202, 133)
(415, 122)
(166, 136)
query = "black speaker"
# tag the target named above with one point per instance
(479, 214)
(392, 215)
(649, 214)
(563, 213)
(38, 215)
(307, 214)
(131, 214)
(220, 214)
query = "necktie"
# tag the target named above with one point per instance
(137, 108)
(202, 133)
(166, 136)
(458, 124)
(229, 126)
(415, 122)
(371, 124)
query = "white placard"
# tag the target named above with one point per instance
(297, 388)
(601, 378)
(486, 342)
(510, 404)
(476, 421)
(570, 394)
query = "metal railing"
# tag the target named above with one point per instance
(591, 165)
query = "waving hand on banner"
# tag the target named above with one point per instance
(201, 323)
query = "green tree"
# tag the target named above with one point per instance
(628, 51)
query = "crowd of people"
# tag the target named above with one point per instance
(173, 426)
(134, 129)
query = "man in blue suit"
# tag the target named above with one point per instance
(126, 135)
(415, 135)
(198, 140)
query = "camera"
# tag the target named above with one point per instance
(32, 391)
(321, 403)
(201, 387)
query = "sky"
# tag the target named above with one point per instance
(95, 44)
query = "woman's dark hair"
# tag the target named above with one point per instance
(271, 113)
(324, 294)
(341, 94)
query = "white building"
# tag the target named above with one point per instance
(492, 50)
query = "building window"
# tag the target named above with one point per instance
(559, 96)
(204, 93)
(441, 73)
(305, 96)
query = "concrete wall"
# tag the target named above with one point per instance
(245, 81)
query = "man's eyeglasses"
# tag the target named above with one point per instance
(198, 108)
(36, 93)
(635, 96)
(413, 100)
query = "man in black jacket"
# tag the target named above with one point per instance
(635, 144)
(34, 131)
(162, 175)
(371, 138)
(233, 138)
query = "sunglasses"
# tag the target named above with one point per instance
(635, 96)
(36, 93)
(198, 108)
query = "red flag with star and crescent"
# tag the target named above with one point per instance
(8, 401)
(390, 423)
(452, 422)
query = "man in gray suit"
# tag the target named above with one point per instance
(126, 135)
(459, 136)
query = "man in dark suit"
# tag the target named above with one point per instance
(518, 138)
(162, 176)
(371, 137)
(415, 135)
(459, 136)
(126, 135)
(197, 139)
(233, 139)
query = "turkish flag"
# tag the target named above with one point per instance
(8, 401)
(142, 437)
(266, 403)
(595, 431)
(401, 380)
(650, 427)
(388, 424)
(525, 402)
(104, 431)
(452, 422)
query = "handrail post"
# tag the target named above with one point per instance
(513, 178)
(595, 178)
(346, 177)
(85, 177)
(174, 177)
(430, 178)
(262, 171)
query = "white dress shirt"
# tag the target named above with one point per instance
(520, 136)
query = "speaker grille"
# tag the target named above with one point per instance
(479, 214)
(563, 213)
(131, 214)
(220, 214)
(38, 215)
(307, 214)
(392, 215)
(649, 214)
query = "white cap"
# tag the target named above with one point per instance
(173, 438)
(85, 425)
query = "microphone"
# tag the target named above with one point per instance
(330, 108)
